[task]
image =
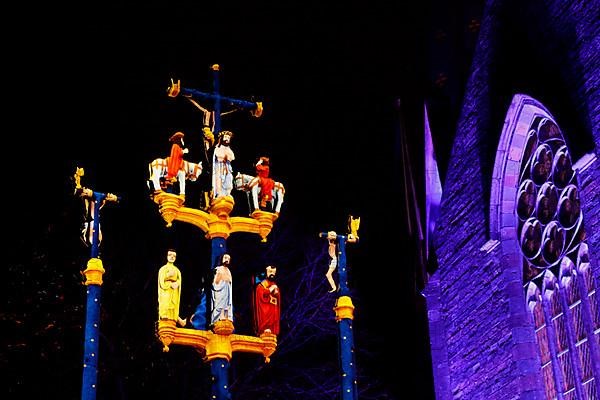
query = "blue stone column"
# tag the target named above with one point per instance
(344, 314)
(219, 369)
(90, 352)
(93, 274)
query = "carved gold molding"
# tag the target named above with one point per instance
(218, 344)
(216, 222)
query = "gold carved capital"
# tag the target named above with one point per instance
(93, 272)
(344, 309)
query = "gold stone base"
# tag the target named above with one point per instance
(265, 222)
(223, 327)
(166, 332)
(168, 206)
(270, 345)
(222, 206)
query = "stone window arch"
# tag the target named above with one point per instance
(536, 213)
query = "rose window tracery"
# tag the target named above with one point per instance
(548, 206)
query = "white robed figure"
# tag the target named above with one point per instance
(222, 173)
(222, 292)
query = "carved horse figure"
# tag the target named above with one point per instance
(249, 184)
(158, 169)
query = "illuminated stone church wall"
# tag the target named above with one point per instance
(513, 310)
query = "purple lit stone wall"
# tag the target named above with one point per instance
(482, 344)
(570, 32)
(590, 198)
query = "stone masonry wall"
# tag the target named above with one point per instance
(472, 343)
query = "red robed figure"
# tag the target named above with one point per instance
(267, 304)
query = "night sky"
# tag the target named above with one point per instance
(90, 91)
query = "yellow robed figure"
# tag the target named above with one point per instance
(169, 289)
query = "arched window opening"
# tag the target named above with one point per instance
(550, 225)
(534, 172)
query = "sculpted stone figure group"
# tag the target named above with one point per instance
(266, 297)
(170, 173)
